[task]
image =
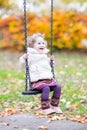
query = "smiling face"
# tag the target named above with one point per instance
(40, 44)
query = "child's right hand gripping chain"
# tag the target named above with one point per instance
(52, 59)
(23, 58)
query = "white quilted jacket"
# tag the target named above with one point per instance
(39, 65)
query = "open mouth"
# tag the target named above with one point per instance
(41, 48)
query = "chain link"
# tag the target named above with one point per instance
(27, 78)
(51, 38)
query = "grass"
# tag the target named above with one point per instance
(71, 73)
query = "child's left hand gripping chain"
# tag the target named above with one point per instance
(52, 57)
(25, 56)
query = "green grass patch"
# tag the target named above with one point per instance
(71, 73)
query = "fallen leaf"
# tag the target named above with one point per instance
(42, 128)
(9, 111)
(15, 127)
(74, 106)
(6, 124)
(56, 118)
(79, 119)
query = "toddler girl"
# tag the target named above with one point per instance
(40, 73)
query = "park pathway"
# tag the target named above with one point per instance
(32, 122)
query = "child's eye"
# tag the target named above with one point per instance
(39, 43)
(43, 43)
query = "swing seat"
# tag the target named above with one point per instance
(31, 92)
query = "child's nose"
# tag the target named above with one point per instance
(41, 44)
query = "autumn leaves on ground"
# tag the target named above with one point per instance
(71, 73)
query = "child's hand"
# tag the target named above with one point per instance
(25, 56)
(52, 57)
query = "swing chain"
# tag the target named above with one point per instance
(51, 39)
(27, 78)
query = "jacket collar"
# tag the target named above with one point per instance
(32, 50)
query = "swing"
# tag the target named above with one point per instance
(28, 85)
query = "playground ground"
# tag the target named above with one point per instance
(32, 122)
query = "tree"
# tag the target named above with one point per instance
(68, 1)
(4, 4)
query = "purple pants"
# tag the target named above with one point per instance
(47, 87)
(46, 90)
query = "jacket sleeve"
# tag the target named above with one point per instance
(22, 60)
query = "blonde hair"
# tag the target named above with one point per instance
(32, 39)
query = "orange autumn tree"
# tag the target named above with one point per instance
(11, 34)
(4, 3)
(69, 29)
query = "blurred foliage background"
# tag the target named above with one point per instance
(69, 25)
